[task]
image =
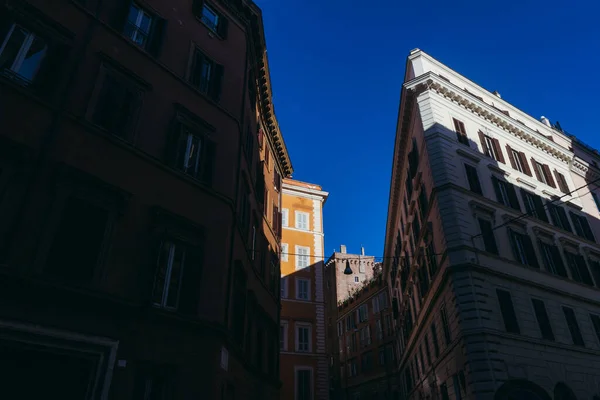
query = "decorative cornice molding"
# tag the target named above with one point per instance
(582, 168)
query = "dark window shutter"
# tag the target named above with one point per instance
(595, 267)
(511, 158)
(562, 182)
(587, 231)
(577, 223)
(474, 184)
(222, 27)
(548, 175)
(191, 281)
(525, 163)
(583, 270)
(52, 70)
(483, 144)
(558, 261)
(512, 196)
(216, 81)
(530, 252)
(159, 32)
(119, 15)
(499, 151)
(487, 234)
(496, 185)
(564, 220)
(197, 7)
(539, 208)
(195, 77)
(508, 312)
(208, 166)
(543, 319)
(537, 173)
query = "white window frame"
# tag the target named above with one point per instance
(285, 217)
(539, 167)
(298, 282)
(517, 157)
(285, 248)
(138, 25)
(284, 287)
(297, 221)
(207, 21)
(302, 325)
(300, 256)
(489, 143)
(284, 325)
(23, 50)
(312, 381)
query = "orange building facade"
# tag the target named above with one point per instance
(303, 354)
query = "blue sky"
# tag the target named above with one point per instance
(337, 69)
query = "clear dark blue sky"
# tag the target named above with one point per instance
(337, 68)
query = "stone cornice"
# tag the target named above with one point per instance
(582, 168)
(431, 81)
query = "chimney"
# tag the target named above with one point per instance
(545, 121)
(343, 249)
(362, 251)
(497, 94)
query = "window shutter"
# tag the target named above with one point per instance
(548, 175)
(562, 182)
(583, 270)
(525, 164)
(222, 27)
(563, 218)
(209, 162)
(195, 77)
(587, 231)
(530, 252)
(197, 7)
(216, 82)
(119, 16)
(260, 143)
(539, 208)
(483, 144)
(499, 151)
(558, 261)
(51, 72)
(158, 35)
(511, 158)
(496, 185)
(537, 173)
(512, 196)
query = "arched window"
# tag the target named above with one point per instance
(521, 389)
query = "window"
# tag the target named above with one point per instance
(388, 325)
(302, 289)
(518, 161)
(426, 345)
(461, 133)
(138, 25)
(277, 180)
(302, 257)
(194, 155)
(456, 384)
(375, 304)
(552, 259)
(508, 312)
(487, 233)
(491, 147)
(356, 279)
(383, 301)
(21, 53)
(284, 288)
(533, 205)
(167, 283)
(79, 241)
(434, 340)
(206, 75)
(596, 323)
(595, 267)
(302, 220)
(445, 325)
(579, 270)
(473, 179)
(523, 248)
(363, 313)
(303, 384)
(542, 173)
(303, 338)
(444, 391)
(573, 326)
(562, 182)
(596, 200)
(378, 329)
(542, 318)
(558, 216)
(582, 227)
(283, 333)
(214, 20)
(505, 193)
(284, 251)
(115, 104)
(285, 213)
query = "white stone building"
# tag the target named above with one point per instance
(491, 259)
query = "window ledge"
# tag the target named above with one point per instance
(539, 231)
(469, 155)
(526, 183)
(498, 169)
(478, 207)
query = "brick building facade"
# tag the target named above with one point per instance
(140, 179)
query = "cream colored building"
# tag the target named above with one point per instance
(493, 262)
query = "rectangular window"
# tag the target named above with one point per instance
(543, 320)
(285, 214)
(378, 329)
(473, 179)
(596, 323)
(283, 329)
(214, 20)
(518, 162)
(302, 289)
(363, 313)
(533, 205)
(194, 154)
(383, 301)
(542, 173)
(505, 193)
(277, 179)
(21, 53)
(302, 220)
(303, 384)
(375, 304)
(558, 216)
(434, 340)
(490, 148)
(138, 25)
(578, 267)
(206, 75)
(167, 283)
(522, 247)
(552, 259)
(487, 233)
(284, 251)
(445, 325)
(302, 257)
(461, 132)
(79, 241)
(303, 338)
(573, 326)
(508, 312)
(582, 226)
(562, 182)
(284, 287)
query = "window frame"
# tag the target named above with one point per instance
(285, 252)
(285, 215)
(461, 132)
(478, 189)
(168, 276)
(299, 281)
(298, 219)
(303, 325)
(285, 325)
(298, 257)
(544, 324)
(296, 382)
(24, 48)
(573, 326)
(284, 287)
(508, 312)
